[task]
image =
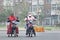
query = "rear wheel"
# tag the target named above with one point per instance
(30, 33)
(8, 35)
(14, 33)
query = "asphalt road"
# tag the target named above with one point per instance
(40, 36)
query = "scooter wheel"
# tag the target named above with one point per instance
(17, 35)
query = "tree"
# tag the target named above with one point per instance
(4, 15)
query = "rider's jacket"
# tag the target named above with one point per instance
(12, 18)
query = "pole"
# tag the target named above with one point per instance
(31, 5)
(38, 10)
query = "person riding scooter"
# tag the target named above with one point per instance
(11, 19)
(29, 19)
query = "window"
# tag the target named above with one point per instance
(58, 8)
(48, 1)
(54, 5)
(41, 2)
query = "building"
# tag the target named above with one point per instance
(50, 9)
(55, 11)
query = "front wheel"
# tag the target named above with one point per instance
(15, 34)
(30, 33)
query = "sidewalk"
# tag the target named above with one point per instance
(25, 29)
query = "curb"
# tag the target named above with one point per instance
(6, 29)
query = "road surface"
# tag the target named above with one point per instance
(39, 36)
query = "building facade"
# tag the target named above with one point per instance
(50, 9)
